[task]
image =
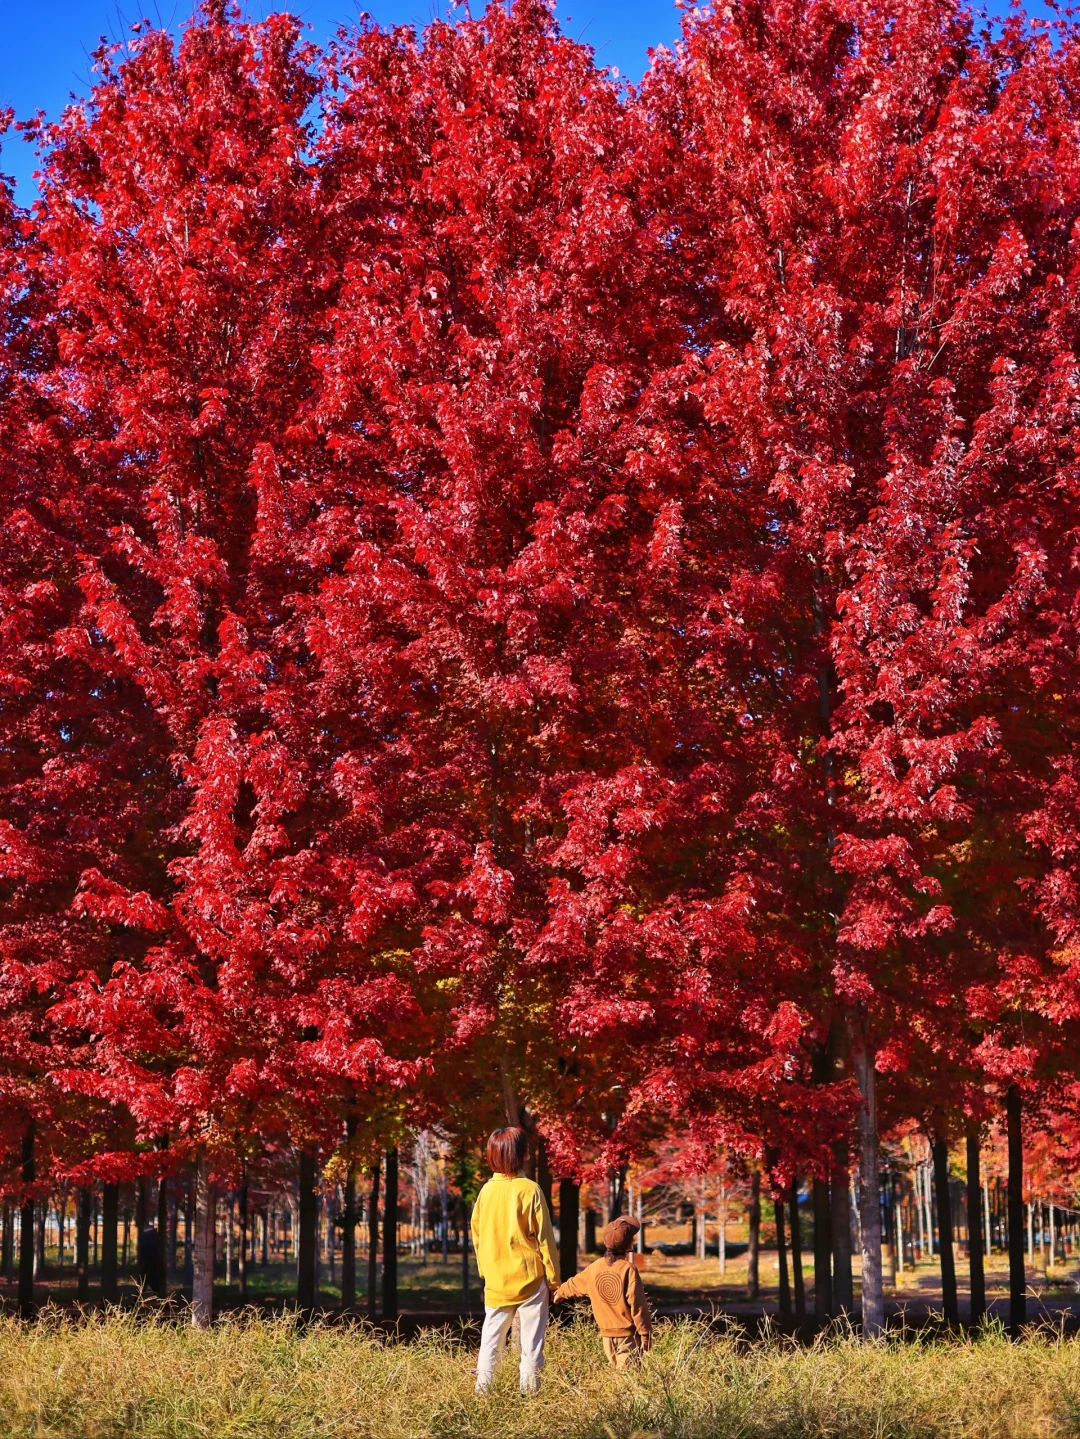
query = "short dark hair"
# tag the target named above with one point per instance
(506, 1150)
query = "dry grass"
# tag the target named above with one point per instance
(130, 1375)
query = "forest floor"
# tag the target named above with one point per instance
(431, 1293)
(129, 1376)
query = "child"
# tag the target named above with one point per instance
(619, 1303)
(515, 1254)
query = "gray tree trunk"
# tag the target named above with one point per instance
(873, 1304)
(202, 1281)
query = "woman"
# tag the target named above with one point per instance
(515, 1254)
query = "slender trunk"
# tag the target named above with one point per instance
(721, 1235)
(161, 1277)
(305, 1245)
(590, 1232)
(444, 1204)
(840, 1220)
(26, 1234)
(230, 1205)
(823, 1304)
(373, 1244)
(348, 1233)
(796, 1253)
(390, 1218)
(752, 1285)
(202, 1259)
(986, 1215)
(189, 1229)
(543, 1171)
(174, 1234)
(569, 1208)
(1017, 1274)
(919, 1210)
(110, 1218)
(330, 1210)
(781, 1259)
(873, 1302)
(84, 1208)
(465, 1215)
(510, 1104)
(975, 1231)
(243, 1255)
(949, 1306)
(39, 1239)
(7, 1245)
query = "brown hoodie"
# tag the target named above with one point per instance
(619, 1303)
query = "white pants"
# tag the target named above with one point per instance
(533, 1314)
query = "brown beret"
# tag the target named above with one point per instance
(620, 1233)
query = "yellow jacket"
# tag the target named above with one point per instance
(513, 1240)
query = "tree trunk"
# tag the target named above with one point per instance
(110, 1218)
(1017, 1273)
(569, 1209)
(305, 1244)
(840, 1221)
(543, 1171)
(84, 1203)
(781, 1256)
(162, 1275)
(873, 1301)
(590, 1232)
(975, 1231)
(202, 1259)
(348, 1236)
(823, 1301)
(189, 1230)
(373, 1244)
(7, 1245)
(243, 1254)
(949, 1306)
(752, 1285)
(796, 1253)
(39, 1239)
(26, 1234)
(390, 1219)
(174, 1234)
(465, 1215)
(721, 1229)
(61, 1226)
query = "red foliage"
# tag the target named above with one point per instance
(522, 592)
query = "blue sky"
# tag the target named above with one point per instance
(45, 44)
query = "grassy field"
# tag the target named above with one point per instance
(126, 1375)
